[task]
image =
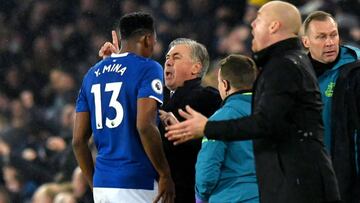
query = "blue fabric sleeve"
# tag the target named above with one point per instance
(151, 84)
(81, 101)
(208, 165)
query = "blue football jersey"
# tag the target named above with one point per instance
(109, 93)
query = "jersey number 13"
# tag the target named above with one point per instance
(119, 111)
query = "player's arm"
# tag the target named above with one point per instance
(151, 141)
(81, 135)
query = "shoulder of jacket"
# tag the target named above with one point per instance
(353, 67)
(296, 56)
(350, 72)
(201, 91)
(288, 60)
(355, 50)
(211, 90)
(212, 94)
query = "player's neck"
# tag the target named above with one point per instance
(127, 46)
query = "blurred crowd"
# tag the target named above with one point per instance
(46, 46)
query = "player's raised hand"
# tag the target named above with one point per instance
(166, 190)
(192, 128)
(115, 40)
(108, 48)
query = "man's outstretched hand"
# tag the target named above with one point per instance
(192, 128)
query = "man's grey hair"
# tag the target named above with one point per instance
(198, 52)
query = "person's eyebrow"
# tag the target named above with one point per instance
(173, 54)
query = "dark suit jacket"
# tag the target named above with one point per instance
(182, 158)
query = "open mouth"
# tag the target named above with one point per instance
(329, 53)
(168, 75)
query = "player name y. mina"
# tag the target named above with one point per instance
(116, 67)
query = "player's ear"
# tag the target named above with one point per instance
(305, 41)
(196, 69)
(274, 26)
(226, 85)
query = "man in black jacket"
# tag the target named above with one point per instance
(338, 71)
(291, 160)
(186, 63)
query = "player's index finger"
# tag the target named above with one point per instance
(115, 39)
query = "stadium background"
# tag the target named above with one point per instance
(46, 46)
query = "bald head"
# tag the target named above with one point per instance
(275, 21)
(285, 13)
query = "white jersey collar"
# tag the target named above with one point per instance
(120, 55)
